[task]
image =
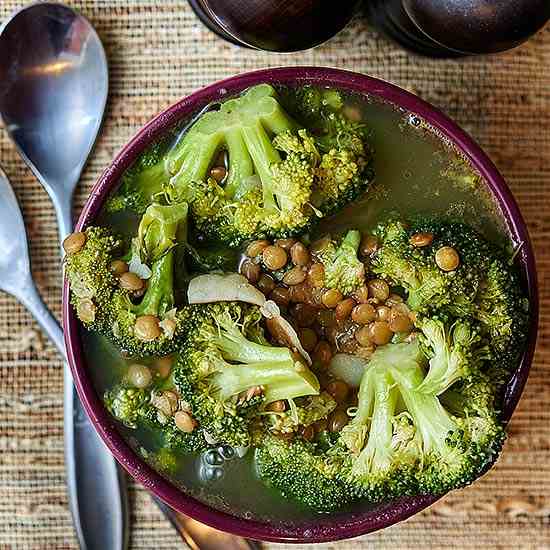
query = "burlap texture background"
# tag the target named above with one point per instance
(158, 52)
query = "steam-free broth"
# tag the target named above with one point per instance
(415, 171)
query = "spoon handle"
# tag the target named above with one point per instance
(96, 486)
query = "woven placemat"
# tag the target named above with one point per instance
(158, 52)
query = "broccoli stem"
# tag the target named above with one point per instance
(240, 164)
(263, 155)
(235, 347)
(280, 380)
(377, 454)
(159, 297)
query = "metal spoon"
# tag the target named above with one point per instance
(53, 90)
(96, 486)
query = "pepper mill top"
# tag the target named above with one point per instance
(478, 26)
(447, 28)
(273, 25)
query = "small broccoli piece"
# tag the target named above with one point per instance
(127, 404)
(404, 441)
(153, 409)
(304, 412)
(140, 326)
(301, 471)
(343, 269)
(227, 372)
(142, 182)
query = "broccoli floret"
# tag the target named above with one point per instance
(153, 409)
(147, 178)
(343, 269)
(277, 184)
(146, 325)
(455, 352)
(404, 441)
(483, 286)
(227, 372)
(301, 471)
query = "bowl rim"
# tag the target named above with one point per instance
(325, 528)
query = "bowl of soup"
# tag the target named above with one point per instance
(412, 162)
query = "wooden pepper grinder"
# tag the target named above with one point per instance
(451, 28)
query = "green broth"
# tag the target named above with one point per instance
(416, 171)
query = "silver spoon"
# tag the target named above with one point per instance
(53, 91)
(96, 486)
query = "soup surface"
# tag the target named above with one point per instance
(415, 171)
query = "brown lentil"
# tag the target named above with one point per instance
(255, 248)
(344, 308)
(363, 314)
(147, 328)
(294, 276)
(299, 254)
(339, 390)
(394, 299)
(308, 338)
(421, 239)
(74, 242)
(265, 283)
(163, 365)
(139, 376)
(331, 298)
(322, 353)
(378, 289)
(320, 426)
(361, 295)
(274, 257)
(184, 422)
(276, 406)
(362, 335)
(286, 244)
(280, 295)
(118, 267)
(383, 313)
(251, 271)
(304, 314)
(173, 400)
(447, 258)
(316, 275)
(320, 244)
(380, 333)
(337, 420)
(218, 173)
(400, 323)
(130, 281)
(369, 245)
(325, 318)
(300, 293)
(86, 310)
(308, 433)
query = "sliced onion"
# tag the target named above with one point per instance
(348, 368)
(291, 338)
(214, 287)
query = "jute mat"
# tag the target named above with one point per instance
(158, 52)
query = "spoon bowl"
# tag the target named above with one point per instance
(54, 88)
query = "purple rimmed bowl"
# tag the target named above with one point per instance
(324, 528)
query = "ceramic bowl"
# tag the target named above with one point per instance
(324, 528)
